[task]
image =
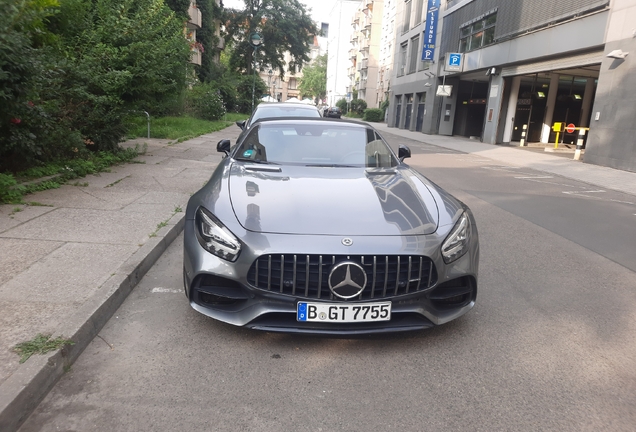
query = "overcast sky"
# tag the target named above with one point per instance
(320, 9)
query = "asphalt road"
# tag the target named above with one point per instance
(550, 344)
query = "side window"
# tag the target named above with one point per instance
(377, 152)
(252, 148)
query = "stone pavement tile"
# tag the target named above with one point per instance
(9, 218)
(185, 183)
(70, 274)
(21, 321)
(158, 197)
(87, 197)
(89, 226)
(18, 254)
(157, 202)
(212, 158)
(182, 183)
(105, 179)
(188, 163)
(149, 159)
(162, 169)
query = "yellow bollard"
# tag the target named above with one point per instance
(557, 128)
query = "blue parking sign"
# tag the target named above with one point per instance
(453, 62)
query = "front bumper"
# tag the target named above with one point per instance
(220, 290)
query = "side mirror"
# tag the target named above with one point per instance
(241, 124)
(404, 152)
(223, 146)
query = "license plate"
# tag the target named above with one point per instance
(343, 313)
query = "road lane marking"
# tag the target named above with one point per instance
(166, 290)
(534, 177)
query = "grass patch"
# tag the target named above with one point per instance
(354, 115)
(160, 225)
(41, 344)
(179, 128)
(57, 173)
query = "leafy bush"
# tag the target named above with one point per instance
(204, 101)
(373, 115)
(342, 104)
(68, 80)
(358, 106)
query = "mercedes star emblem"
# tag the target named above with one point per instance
(347, 280)
(347, 241)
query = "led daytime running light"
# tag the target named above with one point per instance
(456, 244)
(214, 237)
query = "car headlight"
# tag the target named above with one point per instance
(456, 244)
(215, 237)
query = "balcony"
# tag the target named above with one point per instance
(364, 64)
(368, 19)
(221, 44)
(362, 85)
(195, 17)
(353, 53)
(351, 71)
(196, 56)
(364, 45)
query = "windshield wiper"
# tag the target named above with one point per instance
(256, 161)
(332, 166)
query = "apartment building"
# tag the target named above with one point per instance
(364, 54)
(193, 24)
(387, 40)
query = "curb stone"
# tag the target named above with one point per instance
(23, 391)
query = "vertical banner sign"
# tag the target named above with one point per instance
(430, 30)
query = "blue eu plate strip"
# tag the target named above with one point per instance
(302, 311)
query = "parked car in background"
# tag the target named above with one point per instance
(277, 109)
(317, 226)
(334, 112)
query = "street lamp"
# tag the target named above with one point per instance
(269, 82)
(255, 40)
(274, 95)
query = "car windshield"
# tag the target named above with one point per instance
(321, 144)
(272, 111)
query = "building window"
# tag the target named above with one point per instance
(402, 64)
(477, 34)
(406, 24)
(418, 11)
(292, 84)
(415, 44)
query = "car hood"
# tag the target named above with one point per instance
(331, 200)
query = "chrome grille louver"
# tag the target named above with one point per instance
(307, 276)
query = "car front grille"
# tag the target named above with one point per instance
(308, 275)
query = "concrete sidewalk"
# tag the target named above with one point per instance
(70, 259)
(68, 262)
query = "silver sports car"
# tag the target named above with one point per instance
(316, 226)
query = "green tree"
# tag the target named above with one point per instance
(342, 104)
(72, 72)
(285, 27)
(314, 81)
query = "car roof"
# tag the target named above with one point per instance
(285, 105)
(308, 120)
